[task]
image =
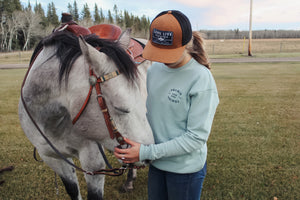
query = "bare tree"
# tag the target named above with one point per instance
(12, 27)
(29, 23)
(10, 32)
(4, 32)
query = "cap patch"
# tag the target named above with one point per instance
(162, 37)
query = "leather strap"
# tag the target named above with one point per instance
(110, 124)
(83, 106)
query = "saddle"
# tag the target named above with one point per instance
(113, 32)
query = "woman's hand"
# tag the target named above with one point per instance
(129, 155)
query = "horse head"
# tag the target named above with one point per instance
(122, 93)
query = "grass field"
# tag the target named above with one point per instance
(254, 147)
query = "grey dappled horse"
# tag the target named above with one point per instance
(57, 86)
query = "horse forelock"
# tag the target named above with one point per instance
(68, 50)
(114, 50)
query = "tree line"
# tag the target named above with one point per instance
(21, 27)
(258, 34)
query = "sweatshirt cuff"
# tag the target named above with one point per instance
(145, 152)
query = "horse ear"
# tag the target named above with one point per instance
(85, 49)
(92, 56)
(124, 38)
(83, 45)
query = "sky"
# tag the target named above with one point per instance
(203, 14)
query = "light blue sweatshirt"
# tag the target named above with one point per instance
(181, 105)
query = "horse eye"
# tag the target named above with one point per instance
(122, 110)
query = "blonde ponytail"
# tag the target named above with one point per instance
(196, 49)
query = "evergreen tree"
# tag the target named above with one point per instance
(116, 13)
(137, 24)
(52, 17)
(17, 5)
(118, 16)
(76, 13)
(145, 23)
(128, 19)
(49, 14)
(102, 17)
(97, 15)
(9, 6)
(110, 18)
(55, 20)
(70, 9)
(120, 22)
(28, 8)
(40, 11)
(86, 14)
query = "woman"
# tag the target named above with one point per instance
(181, 104)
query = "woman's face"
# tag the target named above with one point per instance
(185, 58)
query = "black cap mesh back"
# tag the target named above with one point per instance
(184, 22)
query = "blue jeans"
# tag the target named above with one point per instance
(163, 185)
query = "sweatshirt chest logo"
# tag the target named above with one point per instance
(174, 95)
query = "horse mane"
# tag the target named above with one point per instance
(68, 50)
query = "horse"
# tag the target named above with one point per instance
(64, 69)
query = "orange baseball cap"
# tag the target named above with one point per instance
(170, 31)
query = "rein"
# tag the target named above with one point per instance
(114, 133)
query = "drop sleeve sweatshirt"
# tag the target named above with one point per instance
(181, 105)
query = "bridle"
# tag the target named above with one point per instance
(95, 83)
(113, 131)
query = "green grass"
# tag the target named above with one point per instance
(254, 147)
